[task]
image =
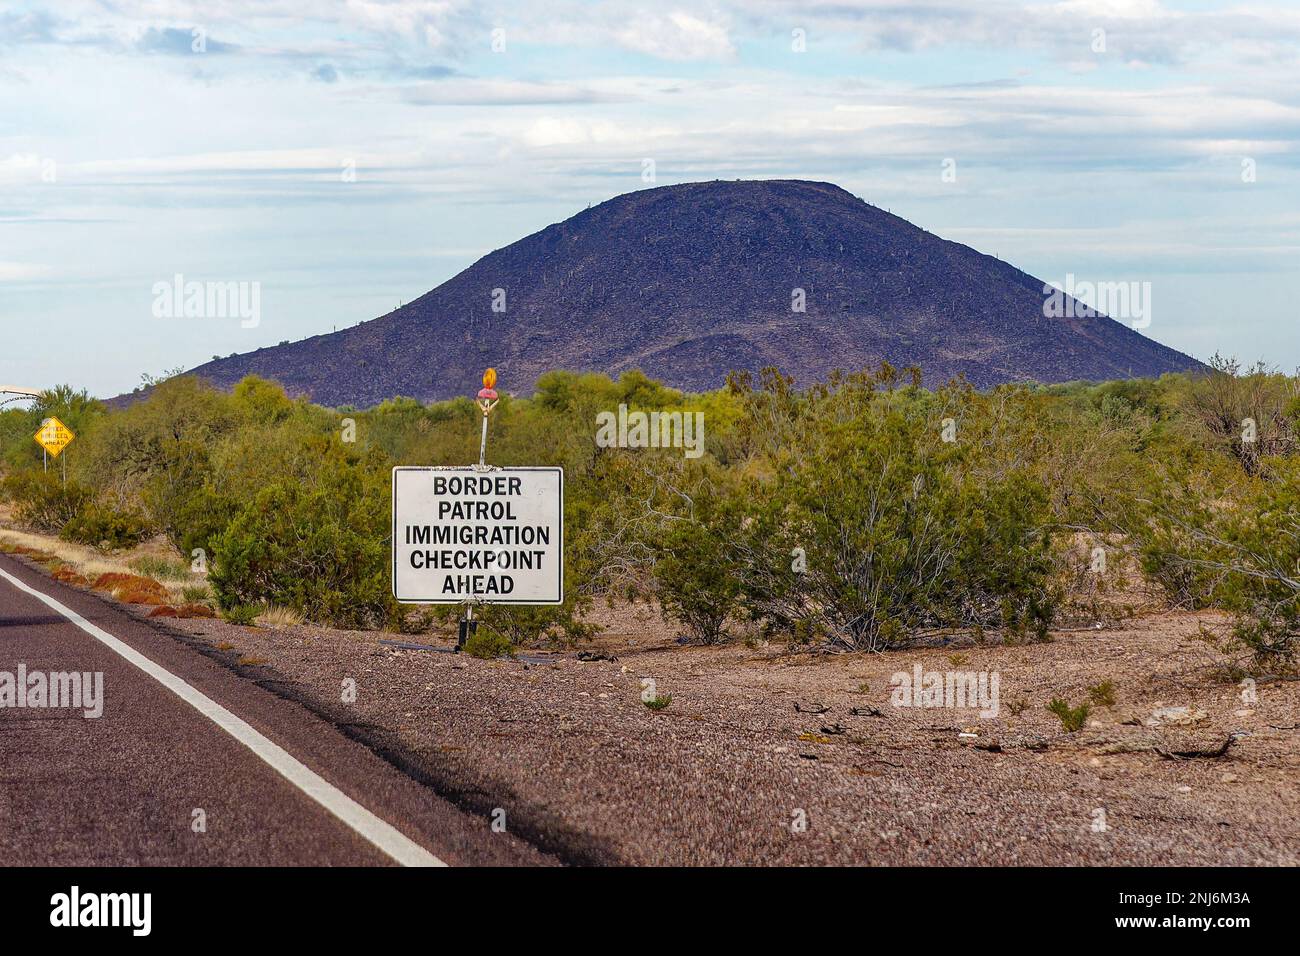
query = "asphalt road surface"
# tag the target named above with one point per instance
(183, 740)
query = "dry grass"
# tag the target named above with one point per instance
(91, 565)
(276, 616)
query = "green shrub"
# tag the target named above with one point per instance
(488, 644)
(1258, 543)
(242, 614)
(660, 702)
(1072, 719)
(107, 528)
(1238, 549)
(697, 578)
(320, 548)
(43, 501)
(1102, 694)
(1225, 399)
(900, 529)
(180, 496)
(519, 624)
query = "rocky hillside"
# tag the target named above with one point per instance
(689, 282)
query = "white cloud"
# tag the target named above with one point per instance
(676, 36)
(231, 164)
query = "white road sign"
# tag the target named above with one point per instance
(466, 534)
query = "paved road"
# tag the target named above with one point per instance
(179, 733)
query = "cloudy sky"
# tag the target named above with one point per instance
(350, 156)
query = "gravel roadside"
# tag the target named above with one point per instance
(744, 766)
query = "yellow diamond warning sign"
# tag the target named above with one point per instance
(54, 436)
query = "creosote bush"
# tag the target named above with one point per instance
(107, 528)
(319, 547)
(864, 512)
(43, 501)
(865, 517)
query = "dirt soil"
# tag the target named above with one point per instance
(765, 756)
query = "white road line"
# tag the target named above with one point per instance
(365, 823)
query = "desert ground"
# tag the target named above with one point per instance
(776, 754)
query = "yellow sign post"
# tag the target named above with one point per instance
(54, 436)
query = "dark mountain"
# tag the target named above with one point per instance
(689, 282)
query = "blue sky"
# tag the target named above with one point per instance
(128, 156)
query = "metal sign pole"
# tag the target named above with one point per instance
(487, 400)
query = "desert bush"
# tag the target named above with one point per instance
(127, 448)
(488, 644)
(244, 615)
(697, 581)
(107, 528)
(320, 548)
(1102, 693)
(1236, 548)
(43, 501)
(1252, 413)
(180, 496)
(1255, 546)
(864, 526)
(1072, 718)
(697, 575)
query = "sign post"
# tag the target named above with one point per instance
(478, 534)
(53, 437)
(487, 400)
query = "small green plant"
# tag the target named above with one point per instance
(196, 593)
(243, 614)
(160, 568)
(1102, 694)
(660, 702)
(1072, 718)
(957, 660)
(487, 644)
(1018, 707)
